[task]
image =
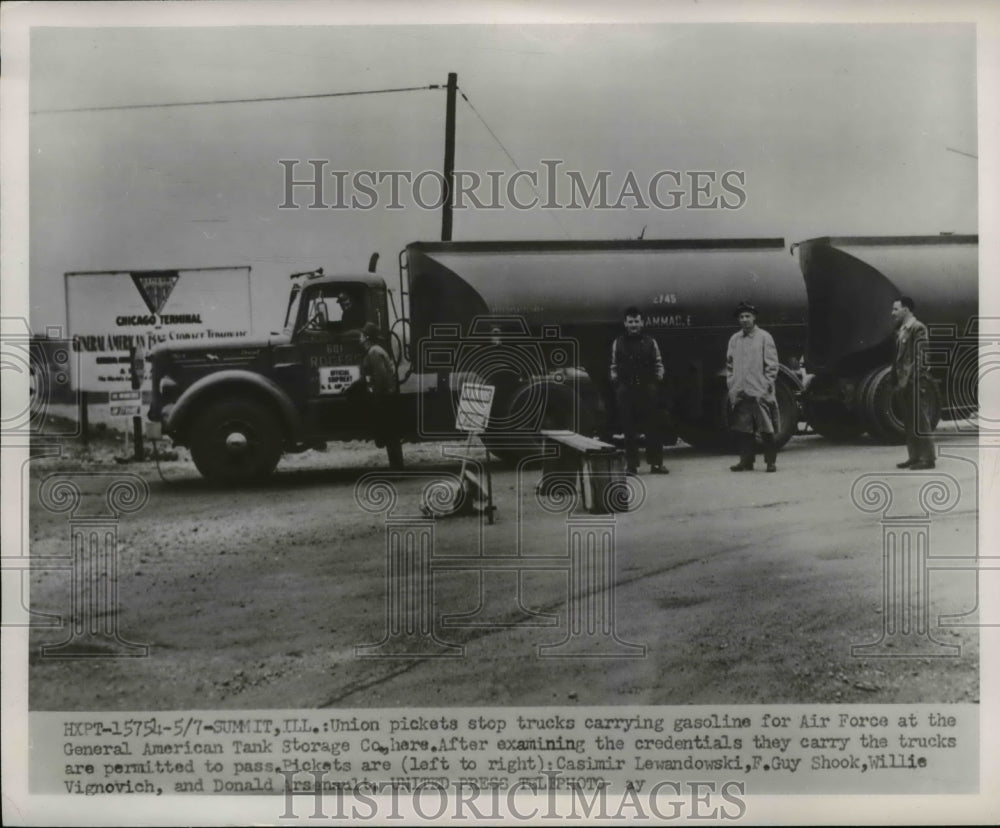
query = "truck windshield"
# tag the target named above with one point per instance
(293, 307)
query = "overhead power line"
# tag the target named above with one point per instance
(490, 131)
(506, 152)
(960, 152)
(222, 101)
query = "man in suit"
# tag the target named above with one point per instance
(909, 384)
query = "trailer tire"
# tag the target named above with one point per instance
(713, 433)
(834, 422)
(786, 391)
(236, 441)
(881, 410)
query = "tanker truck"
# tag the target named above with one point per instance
(536, 320)
(851, 283)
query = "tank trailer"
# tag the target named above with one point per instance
(534, 319)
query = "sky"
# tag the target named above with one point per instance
(835, 129)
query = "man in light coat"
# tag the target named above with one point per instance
(910, 386)
(751, 373)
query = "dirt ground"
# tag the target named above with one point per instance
(742, 588)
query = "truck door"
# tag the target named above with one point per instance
(327, 337)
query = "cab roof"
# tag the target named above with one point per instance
(366, 279)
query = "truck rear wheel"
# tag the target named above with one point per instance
(236, 441)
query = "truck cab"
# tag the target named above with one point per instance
(239, 406)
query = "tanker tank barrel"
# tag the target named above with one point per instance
(851, 284)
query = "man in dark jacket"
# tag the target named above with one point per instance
(379, 376)
(352, 315)
(636, 371)
(910, 386)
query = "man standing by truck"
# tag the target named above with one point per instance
(379, 377)
(751, 371)
(909, 383)
(636, 371)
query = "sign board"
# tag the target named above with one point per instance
(129, 410)
(336, 379)
(111, 313)
(125, 403)
(474, 404)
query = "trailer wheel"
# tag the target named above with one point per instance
(881, 410)
(236, 441)
(786, 392)
(712, 433)
(834, 422)
(703, 419)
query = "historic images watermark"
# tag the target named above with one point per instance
(549, 797)
(37, 373)
(589, 563)
(953, 364)
(906, 556)
(310, 184)
(535, 390)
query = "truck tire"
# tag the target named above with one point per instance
(881, 412)
(560, 412)
(236, 441)
(834, 422)
(786, 391)
(713, 433)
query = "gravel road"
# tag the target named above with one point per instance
(732, 588)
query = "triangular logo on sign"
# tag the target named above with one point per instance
(155, 287)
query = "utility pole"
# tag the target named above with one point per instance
(449, 156)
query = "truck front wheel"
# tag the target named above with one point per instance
(236, 441)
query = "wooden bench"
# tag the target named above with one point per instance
(592, 465)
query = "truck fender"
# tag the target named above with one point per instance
(233, 379)
(792, 377)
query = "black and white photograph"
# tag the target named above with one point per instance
(499, 414)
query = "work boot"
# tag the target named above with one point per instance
(770, 452)
(658, 470)
(748, 453)
(905, 464)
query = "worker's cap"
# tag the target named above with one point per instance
(370, 330)
(745, 307)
